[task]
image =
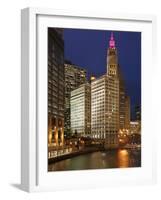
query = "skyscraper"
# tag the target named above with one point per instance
(98, 105)
(74, 77)
(114, 70)
(105, 101)
(127, 112)
(113, 94)
(80, 103)
(55, 87)
(138, 117)
(121, 100)
(138, 112)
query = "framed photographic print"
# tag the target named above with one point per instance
(86, 103)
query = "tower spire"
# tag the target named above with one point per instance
(112, 60)
(112, 41)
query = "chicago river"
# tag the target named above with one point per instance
(121, 158)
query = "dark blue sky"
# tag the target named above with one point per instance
(88, 49)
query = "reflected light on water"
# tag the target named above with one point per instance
(123, 158)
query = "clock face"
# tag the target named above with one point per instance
(112, 59)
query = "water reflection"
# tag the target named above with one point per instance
(98, 160)
(123, 158)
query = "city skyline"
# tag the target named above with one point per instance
(88, 49)
(89, 108)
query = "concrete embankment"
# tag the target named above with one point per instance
(72, 154)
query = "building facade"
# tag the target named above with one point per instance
(135, 127)
(122, 98)
(105, 101)
(98, 106)
(74, 77)
(113, 109)
(138, 112)
(55, 87)
(127, 112)
(105, 109)
(80, 105)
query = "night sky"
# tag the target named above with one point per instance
(88, 49)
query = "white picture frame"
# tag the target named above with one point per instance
(34, 176)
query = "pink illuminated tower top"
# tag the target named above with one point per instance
(112, 41)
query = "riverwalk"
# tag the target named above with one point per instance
(55, 155)
(72, 154)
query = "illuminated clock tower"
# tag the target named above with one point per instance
(112, 59)
(112, 96)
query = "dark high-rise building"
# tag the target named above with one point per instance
(74, 77)
(138, 112)
(127, 112)
(55, 87)
(121, 101)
